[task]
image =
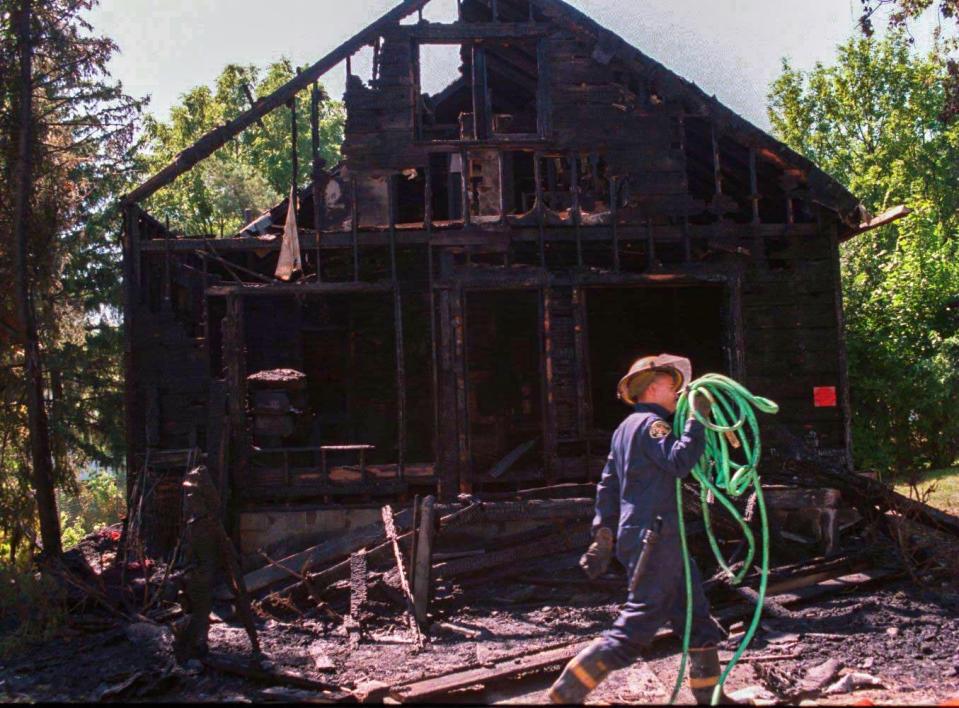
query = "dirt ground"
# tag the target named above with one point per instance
(905, 636)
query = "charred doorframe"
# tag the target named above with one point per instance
(733, 344)
(234, 354)
(454, 446)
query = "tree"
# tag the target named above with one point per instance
(39, 428)
(901, 11)
(877, 120)
(252, 171)
(66, 135)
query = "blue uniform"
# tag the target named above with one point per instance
(637, 485)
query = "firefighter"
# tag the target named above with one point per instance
(210, 550)
(638, 485)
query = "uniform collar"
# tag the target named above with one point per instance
(652, 408)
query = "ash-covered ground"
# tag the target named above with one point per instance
(904, 636)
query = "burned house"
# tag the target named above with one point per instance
(477, 273)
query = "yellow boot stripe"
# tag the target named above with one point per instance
(583, 676)
(703, 681)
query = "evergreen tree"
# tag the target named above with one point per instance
(66, 138)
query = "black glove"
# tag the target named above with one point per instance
(702, 405)
(595, 561)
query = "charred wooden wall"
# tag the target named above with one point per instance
(626, 195)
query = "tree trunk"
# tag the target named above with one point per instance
(23, 182)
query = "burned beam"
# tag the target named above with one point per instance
(505, 668)
(464, 32)
(387, 512)
(219, 136)
(570, 539)
(273, 289)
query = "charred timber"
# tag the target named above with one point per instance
(216, 138)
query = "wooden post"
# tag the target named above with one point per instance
(540, 206)
(461, 367)
(234, 359)
(354, 208)
(467, 187)
(650, 246)
(543, 89)
(167, 285)
(423, 559)
(574, 197)
(481, 108)
(717, 168)
(759, 246)
(581, 365)
(753, 185)
(614, 218)
(398, 336)
(428, 225)
(447, 458)
(294, 155)
(318, 189)
(546, 382)
(844, 398)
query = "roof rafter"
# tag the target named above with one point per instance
(219, 136)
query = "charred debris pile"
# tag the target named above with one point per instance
(431, 584)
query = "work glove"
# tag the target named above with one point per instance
(702, 405)
(595, 561)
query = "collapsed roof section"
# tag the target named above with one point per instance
(510, 61)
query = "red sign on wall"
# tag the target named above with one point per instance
(824, 396)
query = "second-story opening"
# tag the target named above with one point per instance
(481, 90)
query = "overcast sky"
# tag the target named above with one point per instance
(731, 48)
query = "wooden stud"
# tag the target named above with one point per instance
(650, 247)
(355, 217)
(614, 218)
(294, 156)
(546, 383)
(574, 209)
(482, 118)
(398, 334)
(543, 89)
(753, 185)
(717, 168)
(318, 195)
(540, 206)
(166, 267)
(423, 562)
(466, 179)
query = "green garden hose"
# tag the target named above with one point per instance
(733, 423)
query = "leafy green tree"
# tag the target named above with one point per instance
(252, 171)
(878, 120)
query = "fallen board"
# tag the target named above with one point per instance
(435, 687)
(505, 668)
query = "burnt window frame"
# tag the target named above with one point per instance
(484, 134)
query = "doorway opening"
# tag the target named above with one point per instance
(626, 323)
(504, 383)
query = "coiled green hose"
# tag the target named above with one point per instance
(732, 415)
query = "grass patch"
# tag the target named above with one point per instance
(942, 487)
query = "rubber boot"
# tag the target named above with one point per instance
(704, 674)
(581, 675)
